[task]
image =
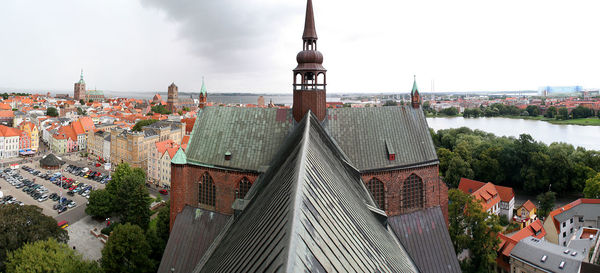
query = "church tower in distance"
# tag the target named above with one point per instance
(203, 96)
(79, 91)
(415, 98)
(309, 75)
(172, 99)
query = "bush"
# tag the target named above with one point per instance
(107, 230)
(504, 220)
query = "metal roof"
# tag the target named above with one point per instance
(531, 251)
(193, 232)
(253, 136)
(362, 134)
(587, 211)
(310, 212)
(425, 236)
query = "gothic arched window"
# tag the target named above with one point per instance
(243, 188)
(376, 189)
(206, 190)
(412, 192)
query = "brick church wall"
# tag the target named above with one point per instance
(184, 188)
(436, 191)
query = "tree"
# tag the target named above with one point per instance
(592, 187)
(546, 201)
(452, 111)
(390, 103)
(473, 229)
(551, 112)
(138, 126)
(81, 112)
(162, 225)
(48, 256)
(51, 111)
(160, 109)
(25, 224)
(129, 195)
(81, 101)
(563, 114)
(127, 251)
(100, 204)
(533, 110)
(582, 112)
(187, 109)
(457, 168)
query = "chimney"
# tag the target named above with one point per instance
(227, 155)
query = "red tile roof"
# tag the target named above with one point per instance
(529, 206)
(487, 195)
(469, 186)
(6, 131)
(506, 193)
(7, 114)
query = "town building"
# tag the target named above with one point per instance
(526, 214)
(286, 178)
(9, 142)
(562, 223)
(132, 147)
(7, 117)
(31, 131)
(94, 95)
(507, 243)
(494, 199)
(159, 162)
(99, 144)
(537, 255)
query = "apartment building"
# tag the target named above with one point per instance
(132, 147)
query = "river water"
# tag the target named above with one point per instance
(582, 136)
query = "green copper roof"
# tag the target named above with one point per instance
(81, 78)
(203, 88)
(414, 89)
(179, 157)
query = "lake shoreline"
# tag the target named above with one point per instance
(546, 132)
(593, 121)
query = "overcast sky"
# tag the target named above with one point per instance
(251, 45)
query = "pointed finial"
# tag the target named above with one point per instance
(310, 31)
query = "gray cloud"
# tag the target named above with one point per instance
(230, 35)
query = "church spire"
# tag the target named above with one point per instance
(309, 76)
(415, 98)
(310, 32)
(203, 95)
(81, 77)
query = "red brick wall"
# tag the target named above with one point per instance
(184, 188)
(436, 192)
(309, 99)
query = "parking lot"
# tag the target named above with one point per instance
(40, 185)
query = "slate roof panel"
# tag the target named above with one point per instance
(308, 213)
(425, 236)
(531, 251)
(252, 135)
(362, 134)
(193, 232)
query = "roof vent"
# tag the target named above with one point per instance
(228, 156)
(544, 258)
(390, 151)
(574, 253)
(561, 265)
(566, 251)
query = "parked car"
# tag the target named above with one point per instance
(163, 191)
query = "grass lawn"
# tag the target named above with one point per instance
(580, 121)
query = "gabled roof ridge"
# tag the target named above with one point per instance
(297, 202)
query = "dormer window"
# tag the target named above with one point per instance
(390, 151)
